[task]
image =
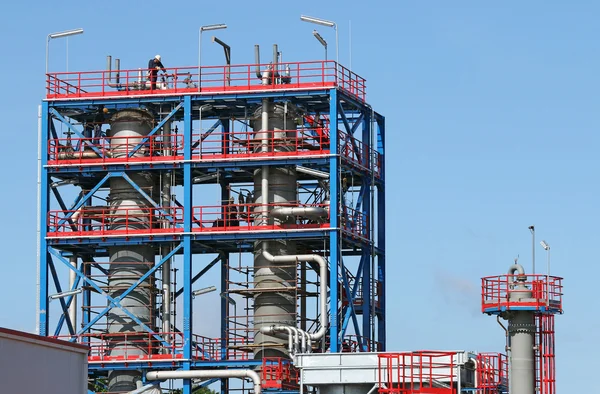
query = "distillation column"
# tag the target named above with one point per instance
(274, 186)
(128, 263)
(521, 331)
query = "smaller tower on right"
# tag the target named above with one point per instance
(528, 302)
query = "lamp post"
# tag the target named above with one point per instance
(59, 34)
(65, 294)
(532, 229)
(227, 50)
(205, 290)
(327, 23)
(321, 40)
(547, 249)
(202, 29)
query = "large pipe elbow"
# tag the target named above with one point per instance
(518, 268)
(322, 287)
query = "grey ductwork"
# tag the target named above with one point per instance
(208, 374)
(129, 211)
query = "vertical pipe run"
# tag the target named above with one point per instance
(129, 210)
(272, 186)
(166, 182)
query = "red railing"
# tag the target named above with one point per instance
(245, 144)
(430, 372)
(133, 220)
(139, 346)
(545, 357)
(356, 152)
(114, 149)
(217, 349)
(121, 220)
(505, 292)
(248, 217)
(492, 373)
(278, 373)
(214, 79)
(354, 222)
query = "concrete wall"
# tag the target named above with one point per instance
(34, 364)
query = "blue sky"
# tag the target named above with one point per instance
(491, 127)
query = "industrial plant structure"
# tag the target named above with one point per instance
(273, 174)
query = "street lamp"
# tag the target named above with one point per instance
(227, 50)
(205, 290)
(205, 28)
(59, 34)
(65, 294)
(327, 23)
(532, 230)
(547, 249)
(322, 41)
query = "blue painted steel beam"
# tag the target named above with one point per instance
(58, 287)
(154, 130)
(200, 274)
(68, 300)
(381, 217)
(348, 293)
(187, 241)
(44, 207)
(334, 192)
(138, 101)
(61, 118)
(114, 302)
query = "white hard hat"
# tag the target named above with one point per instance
(157, 57)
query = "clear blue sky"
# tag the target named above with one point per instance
(492, 126)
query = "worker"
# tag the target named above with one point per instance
(154, 66)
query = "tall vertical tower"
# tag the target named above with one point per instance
(528, 302)
(273, 176)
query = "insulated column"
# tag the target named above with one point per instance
(273, 186)
(129, 211)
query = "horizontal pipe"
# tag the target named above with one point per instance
(208, 374)
(307, 212)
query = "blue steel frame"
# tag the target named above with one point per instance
(356, 118)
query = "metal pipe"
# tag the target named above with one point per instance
(257, 61)
(73, 305)
(314, 213)
(86, 154)
(322, 286)
(516, 267)
(166, 191)
(39, 219)
(208, 374)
